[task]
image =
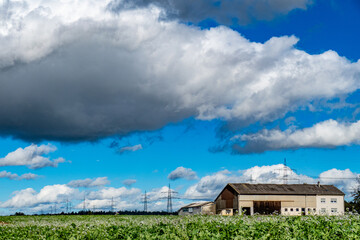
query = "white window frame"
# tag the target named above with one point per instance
(334, 210)
(323, 210)
(323, 200)
(333, 200)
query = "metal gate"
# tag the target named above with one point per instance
(267, 207)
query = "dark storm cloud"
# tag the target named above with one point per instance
(77, 94)
(223, 11)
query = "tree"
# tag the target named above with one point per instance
(355, 203)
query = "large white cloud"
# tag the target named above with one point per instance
(210, 186)
(126, 72)
(346, 180)
(50, 194)
(327, 134)
(32, 157)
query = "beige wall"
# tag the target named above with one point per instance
(330, 207)
(290, 205)
(226, 212)
(293, 205)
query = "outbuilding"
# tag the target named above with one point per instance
(205, 208)
(285, 199)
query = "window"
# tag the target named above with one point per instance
(334, 210)
(322, 200)
(291, 209)
(323, 210)
(191, 209)
(309, 209)
(297, 209)
(314, 209)
(185, 209)
(285, 209)
(333, 200)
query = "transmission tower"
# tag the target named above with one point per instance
(84, 204)
(169, 200)
(145, 202)
(285, 176)
(67, 205)
(170, 196)
(112, 205)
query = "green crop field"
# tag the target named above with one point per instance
(177, 227)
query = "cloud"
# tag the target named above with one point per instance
(182, 172)
(117, 74)
(28, 176)
(129, 182)
(210, 186)
(346, 180)
(110, 192)
(48, 195)
(87, 183)
(223, 11)
(52, 196)
(14, 176)
(130, 148)
(9, 175)
(31, 157)
(326, 134)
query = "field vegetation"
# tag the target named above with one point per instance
(177, 227)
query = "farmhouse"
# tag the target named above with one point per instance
(286, 199)
(207, 208)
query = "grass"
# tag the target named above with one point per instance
(177, 227)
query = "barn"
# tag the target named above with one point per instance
(286, 199)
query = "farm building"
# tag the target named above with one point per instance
(198, 208)
(286, 199)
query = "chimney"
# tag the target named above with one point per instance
(318, 184)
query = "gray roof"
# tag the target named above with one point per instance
(285, 189)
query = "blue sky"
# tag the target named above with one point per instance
(119, 97)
